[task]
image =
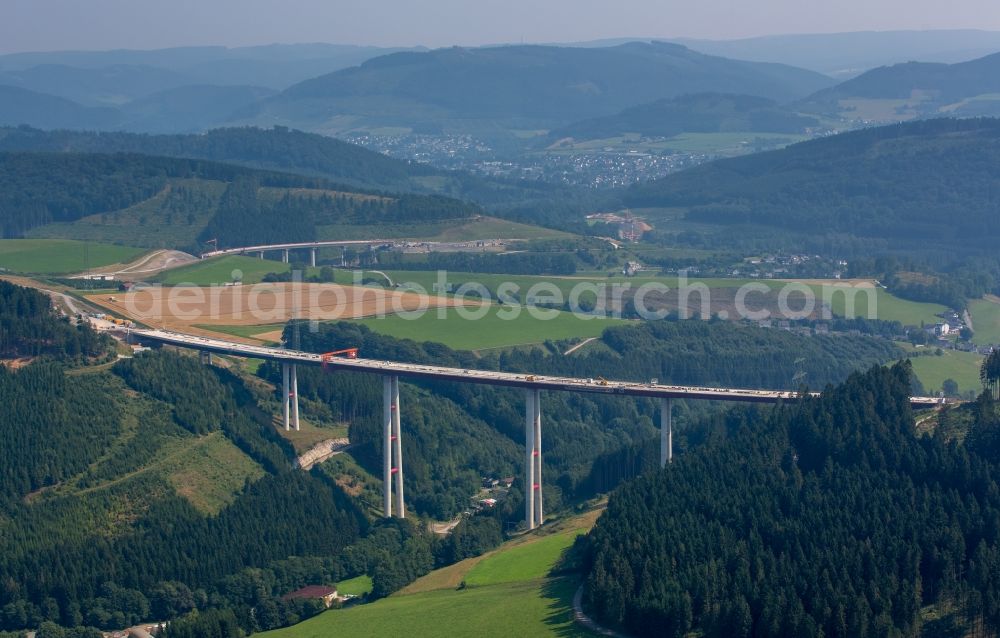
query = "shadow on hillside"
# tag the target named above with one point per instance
(558, 594)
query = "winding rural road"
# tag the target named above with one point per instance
(579, 345)
(582, 619)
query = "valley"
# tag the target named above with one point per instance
(683, 337)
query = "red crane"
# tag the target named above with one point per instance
(346, 353)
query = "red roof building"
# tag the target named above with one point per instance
(313, 592)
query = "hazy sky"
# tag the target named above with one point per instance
(37, 25)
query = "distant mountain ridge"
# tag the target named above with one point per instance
(24, 106)
(275, 66)
(845, 55)
(919, 89)
(166, 90)
(180, 109)
(514, 87)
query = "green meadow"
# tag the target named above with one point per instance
(986, 320)
(61, 256)
(523, 609)
(506, 593)
(357, 586)
(220, 270)
(492, 330)
(529, 561)
(963, 367)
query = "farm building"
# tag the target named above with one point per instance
(314, 592)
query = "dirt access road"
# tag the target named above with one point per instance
(150, 264)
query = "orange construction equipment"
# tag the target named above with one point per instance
(346, 353)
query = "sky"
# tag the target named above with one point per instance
(46, 25)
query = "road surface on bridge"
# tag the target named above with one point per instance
(484, 377)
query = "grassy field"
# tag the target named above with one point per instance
(524, 609)
(888, 307)
(61, 256)
(357, 586)
(220, 270)
(507, 593)
(472, 230)
(212, 473)
(493, 228)
(492, 331)
(530, 561)
(489, 332)
(963, 367)
(986, 320)
(245, 331)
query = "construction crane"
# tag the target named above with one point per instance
(346, 353)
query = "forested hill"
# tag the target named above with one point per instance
(273, 149)
(48, 111)
(830, 517)
(178, 202)
(30, 327)
(917, 89)
(159, 462)
(283, 149)
(519, 87)
(920, 186)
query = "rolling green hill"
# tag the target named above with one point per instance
(60, 256)
(24, 106)
(140, 459)
(700, 113)
(310, 154)
(495, 90)
(178, 203)
(914, 89)
(506, 592)
(922, 186)
(189, 108)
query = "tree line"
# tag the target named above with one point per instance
(828, 517)
(31, 327)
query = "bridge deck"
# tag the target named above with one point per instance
(297, 245)
(486, 377)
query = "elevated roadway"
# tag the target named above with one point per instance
(486, 377)
(533, 384)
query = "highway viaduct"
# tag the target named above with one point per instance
(313, 246)
(391, 371)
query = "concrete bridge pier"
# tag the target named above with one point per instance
(284, 256)
(260, 255)
(295, 397)
(205, 357)
(392, 448)
(533, 510)
(285, 394)
(666, 432)
(290, 395)
(312, 257)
